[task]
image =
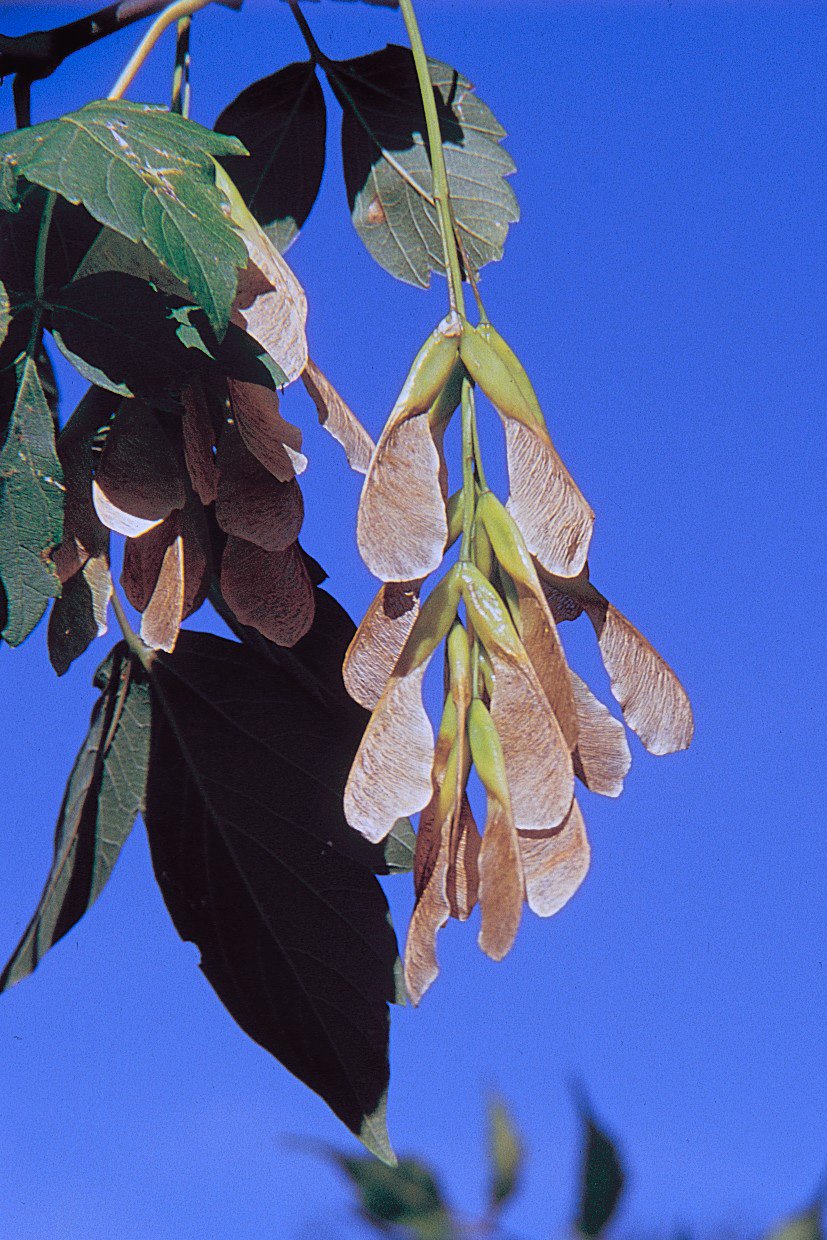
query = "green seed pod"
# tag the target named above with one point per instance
(506, 539)
(494, 377)
(453, 512)
(447, 402)
(483, 551)
(433, 622)
(512, 599)
(428, 376)
(487, 671)
(515, 366)
(488, 614)
(487, 753)
(459, 663)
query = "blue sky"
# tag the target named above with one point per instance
(665, 289)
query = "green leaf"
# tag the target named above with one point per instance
(5, 312)
(399, 846)
(256, 864)
(603, 1178)
(148, 174)
(31, 506)
(388, 171)
(807, 1225)
(406, 1195)
(282, 121)
(505, 1153)
(102, 800)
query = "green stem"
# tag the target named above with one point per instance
(134, 644)
(440, 174)
(468, 490)
(171, 15)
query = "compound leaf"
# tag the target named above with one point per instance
(388, 171)
(148, 174)
(255, 862)
(103, 797)
(31, 505)
(282, 121)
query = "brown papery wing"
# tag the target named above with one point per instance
(250, 502)
(199, 442)
(391, 774)
(554, 863)
(463, 878)
(501, 889)
(555, 519)
(653, 700)
(338, 418)
(273, 440)
(268, 590)
(163, 613)
(378, 641)
(602, 758)
(271, 305)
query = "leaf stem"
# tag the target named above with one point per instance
(134, 644)
(181, 74)
(174, 13)
(40, 270)
(316, 52)
(440, 174)
(468, 489)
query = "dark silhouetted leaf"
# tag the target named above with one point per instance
(103, 797)
(388, 171)
(256, 864)
(31, 506)
(148, 174)
(403, 1196)
(282, 121)
(505, 1153)
(602, 1181)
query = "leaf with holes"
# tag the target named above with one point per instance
(388, 171)
(255, 862)
(103, 798)
(31, 506)
(148, 174)
(282, 121)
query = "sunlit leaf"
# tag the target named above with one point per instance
(282, 122)
(388, 171)
(31, 506)
(103, 797)
(505, 1153)
(253, 857)
(808, 1225)
(148, 174)
(406, 1196)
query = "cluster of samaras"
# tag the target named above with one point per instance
(513, 710)
(204, 490)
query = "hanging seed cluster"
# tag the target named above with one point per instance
(513, 711)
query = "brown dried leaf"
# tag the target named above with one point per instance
(554, 863)
(199, 442)
(463, 878)
(537, 759)
(501, 890)
(555, 519)
(391, 773)
(268, 590)
(270, 303)
(338, 418)
(250, 502)
(377, 643)
(653, 700)
(402, 527)
(138, 473)
(602, 758)
(163, 613)
(272, 440)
